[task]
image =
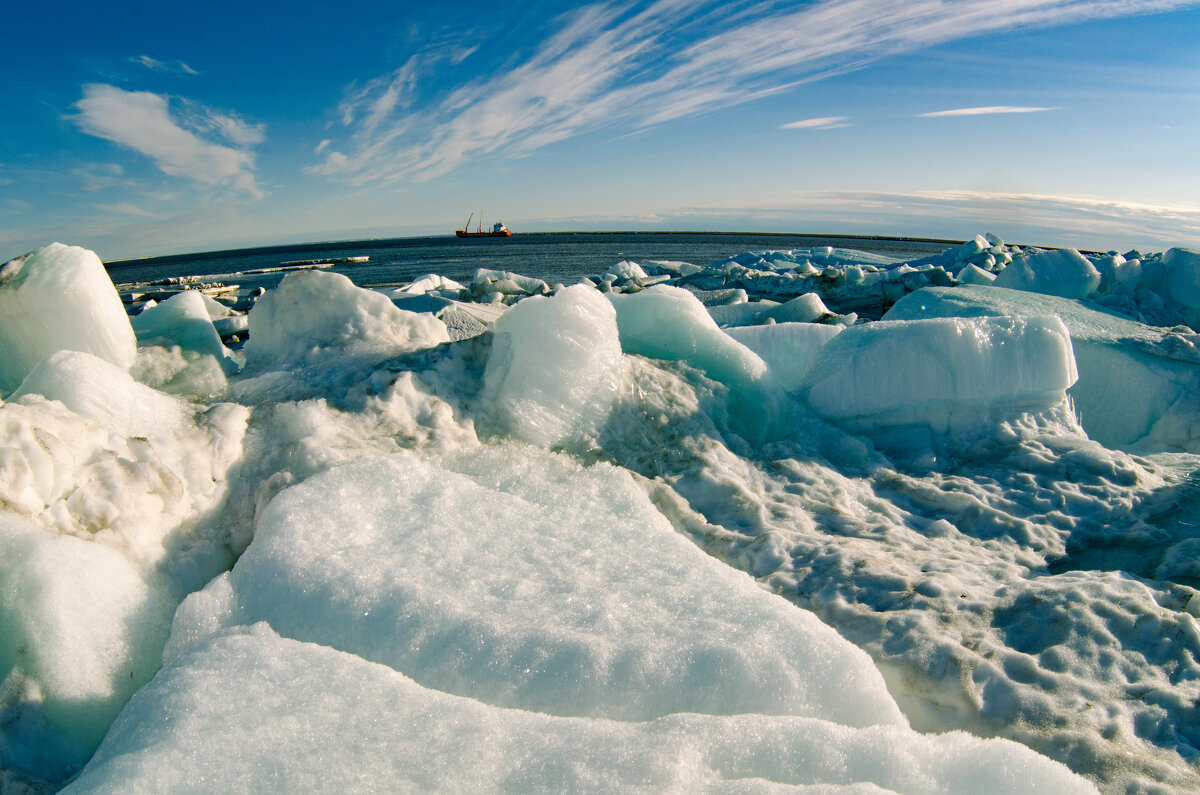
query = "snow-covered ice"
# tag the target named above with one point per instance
(59, 298)
(248, 710)
(947, 375)
(1138, 385)
(554, 366)
(680, 527)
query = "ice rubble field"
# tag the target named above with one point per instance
(674, 528)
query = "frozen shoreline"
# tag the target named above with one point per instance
(947, 488)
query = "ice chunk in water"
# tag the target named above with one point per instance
(1183, 277)
(1138, 385)
(314, 314)
(801, 309)
(973, 274)
(555, 366)
(59, 297)
(183, 320)
(1064, 272)
(429, 283)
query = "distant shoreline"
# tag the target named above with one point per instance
(284, 247)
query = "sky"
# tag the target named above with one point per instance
(140, 129)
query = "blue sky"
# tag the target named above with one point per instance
(138, 129)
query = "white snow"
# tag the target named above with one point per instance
(598, 542)
(80, 624)
(94, 388)
(223, 716)
(59, 298)
(1065, 273)
(554, 366)
(522, 580)
(184, 320)
(315, 315)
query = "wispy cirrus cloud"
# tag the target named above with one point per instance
(127, 208)
(169, 67)
(988, 110)
(142, 121)
(616, 66)
(819, 123)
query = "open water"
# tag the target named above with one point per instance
(555, 257)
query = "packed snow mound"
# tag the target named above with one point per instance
(59, 298)
(89, 452)
(313, 315)
(80, 626)
(1138, 387)
(554, 367)
(185, 320)
(97, 389)
(1064, 272)
(518, 578)
(788, 349)
(670, 323)
(947, 373)
(221, 718)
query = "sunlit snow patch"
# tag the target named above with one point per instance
(520, 579)
(80, 625)
(250, 711)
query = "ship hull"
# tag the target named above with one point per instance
(464, 233)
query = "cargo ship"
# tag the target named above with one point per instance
(498, 229)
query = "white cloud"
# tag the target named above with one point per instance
(988, 110)
(171, 67)
(609, 67)
(126, 208)
(142, 121)
(236, 130)
(820, 123)
(1050, 219)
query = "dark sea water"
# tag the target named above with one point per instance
(557, 257)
